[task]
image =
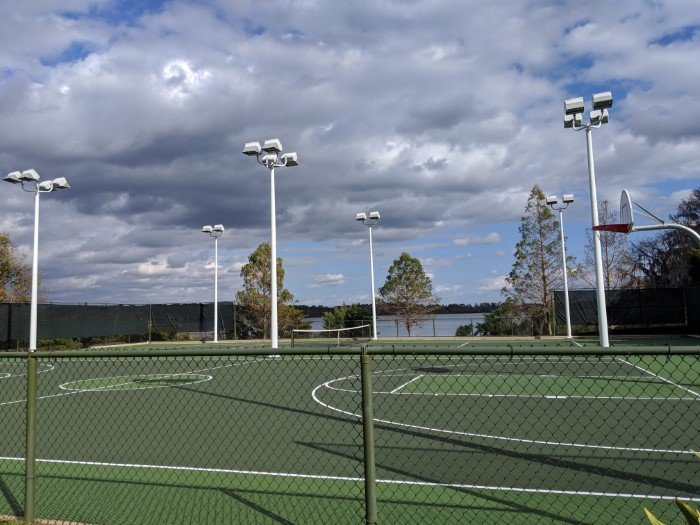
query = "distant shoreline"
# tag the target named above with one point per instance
(319, 310)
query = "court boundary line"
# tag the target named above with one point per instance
(649, 372)
(495, 488)
(407, 383)
(315, 397)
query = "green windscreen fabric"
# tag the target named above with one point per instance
(633, 306)
(57, 321)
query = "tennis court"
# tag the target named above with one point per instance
(460, 437)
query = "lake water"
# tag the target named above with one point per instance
(438, 325)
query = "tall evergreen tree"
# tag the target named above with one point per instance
(255, 298)
(408, 292)
(537, 269)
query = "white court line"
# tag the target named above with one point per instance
(406, 384)
(649, 372)
(464, 344)
(489, 436)
(356, 479)
(106, 388)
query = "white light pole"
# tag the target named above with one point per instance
(573, 118)
(31, 178)
(566, 200)
(373, 219)
(272, 160)
(215, 231)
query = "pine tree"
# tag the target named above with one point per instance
(537, 269)
(255, 298)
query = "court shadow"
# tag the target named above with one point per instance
(254, 506)
(510, 506)
(551, 460)
(10, 498)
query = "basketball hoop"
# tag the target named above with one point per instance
(626, 216)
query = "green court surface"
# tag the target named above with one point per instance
(261, 439)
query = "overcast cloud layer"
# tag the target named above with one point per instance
(442, 115)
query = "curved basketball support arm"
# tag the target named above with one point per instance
(695, 235)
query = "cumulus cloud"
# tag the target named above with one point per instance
(146, 111)
(330, 279)
(475, 240)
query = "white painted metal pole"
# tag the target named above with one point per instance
(566, 280)
(273, 264)
(599, 282)
(216, 289)
(371, 271)
(35, 276)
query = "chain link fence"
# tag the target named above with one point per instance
(347, 435)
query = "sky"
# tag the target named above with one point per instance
(442, 115)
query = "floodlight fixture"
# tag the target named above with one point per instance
(271, 160)
(552, 199)
(14, 177)
(37, 188)
(272, 146)
(29, 176)
(573, 110)
(60, 183)
(215, 232)
(251, 148)
(289, 159)
(573, 106)
(268, 160)
(602, 100)
(568, 198)
(373, 219)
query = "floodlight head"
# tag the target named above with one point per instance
(29, 176)
(268, 159)
(60, 184)
(272, 146)
(361, 217)
(551, 200)
(573, 106)
(568, 121)
(15, 177)
(568, 198)
(251, 148)
(605, 118)
(602, 100)
(219, 228)
(47, 185)
(374, 215)
(207, 229)
(596, 116)
(578, 119)
(289, 159)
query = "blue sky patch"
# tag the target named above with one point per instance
(683, 34)
(74, 52)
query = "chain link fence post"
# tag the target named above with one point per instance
(368, 437)
(30, 475)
